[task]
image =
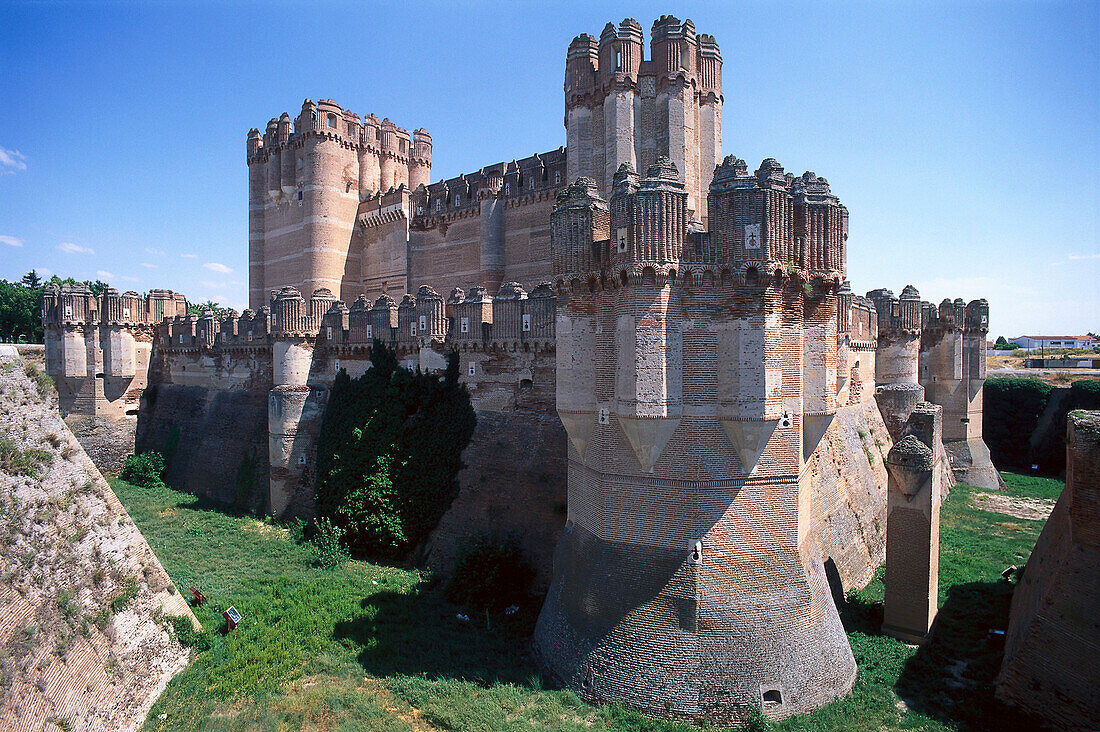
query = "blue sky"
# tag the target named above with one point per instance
(963, 137)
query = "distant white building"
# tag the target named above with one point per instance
(1055, 341)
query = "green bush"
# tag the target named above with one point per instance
(327, 538)
(144, 470)
(490, 573)
(187, 635)
(1011, 411)
(388, 453)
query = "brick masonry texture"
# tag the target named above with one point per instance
(1052, 628)
(683, 409)
(62, 528)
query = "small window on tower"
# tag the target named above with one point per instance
(423, 323)
(351, 129)
(557, 177)
(330, 120)
(439, 204)
(531, 183)
(401, 145)
(458, 200)
(464, 325)
(507, 189)
(618, 60)
(369, 329)
(472, 370)
(299, 195)
(526, 322)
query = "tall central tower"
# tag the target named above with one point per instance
(621, 108)
(696, 374)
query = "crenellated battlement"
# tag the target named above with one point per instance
(421, 320)
(75, 305)
(767, 227)
(530, 178)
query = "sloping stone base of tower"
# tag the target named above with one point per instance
(847, 474)
(680, 640)
(971, 464)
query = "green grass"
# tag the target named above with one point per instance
(365, 646)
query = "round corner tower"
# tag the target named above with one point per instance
(696, 372)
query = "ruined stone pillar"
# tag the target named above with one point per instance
(913, 527)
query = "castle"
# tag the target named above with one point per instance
(669, 368)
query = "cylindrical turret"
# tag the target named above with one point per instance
(431, 321)
(319, 303)
(420, 161)
(897, 356)
(383, 319)
(335, 322)
(673, 46)
(370, 171)
(388, 158)
(407, 322)
(660, 216)
(541, 309)
(510, 313)
(274, 159)
(286, 312)
(580, 218)
(257, 191)
(450, 310)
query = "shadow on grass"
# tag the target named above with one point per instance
(419, 634)
(859, 615)
(952, 677)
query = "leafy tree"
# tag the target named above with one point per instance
(32, 280)
(1002, 344)
(197, 308)
(389, 452)
(20, 316)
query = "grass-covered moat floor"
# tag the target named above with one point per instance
(374, 647)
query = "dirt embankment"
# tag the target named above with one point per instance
(83, 640)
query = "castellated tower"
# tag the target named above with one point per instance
(696, 372)
(622, 108)
(307, 180)
(951, 368)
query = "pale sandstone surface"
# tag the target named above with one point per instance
(69, 548)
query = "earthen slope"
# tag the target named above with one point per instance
(83, 643)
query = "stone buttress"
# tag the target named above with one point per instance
(913, 527)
